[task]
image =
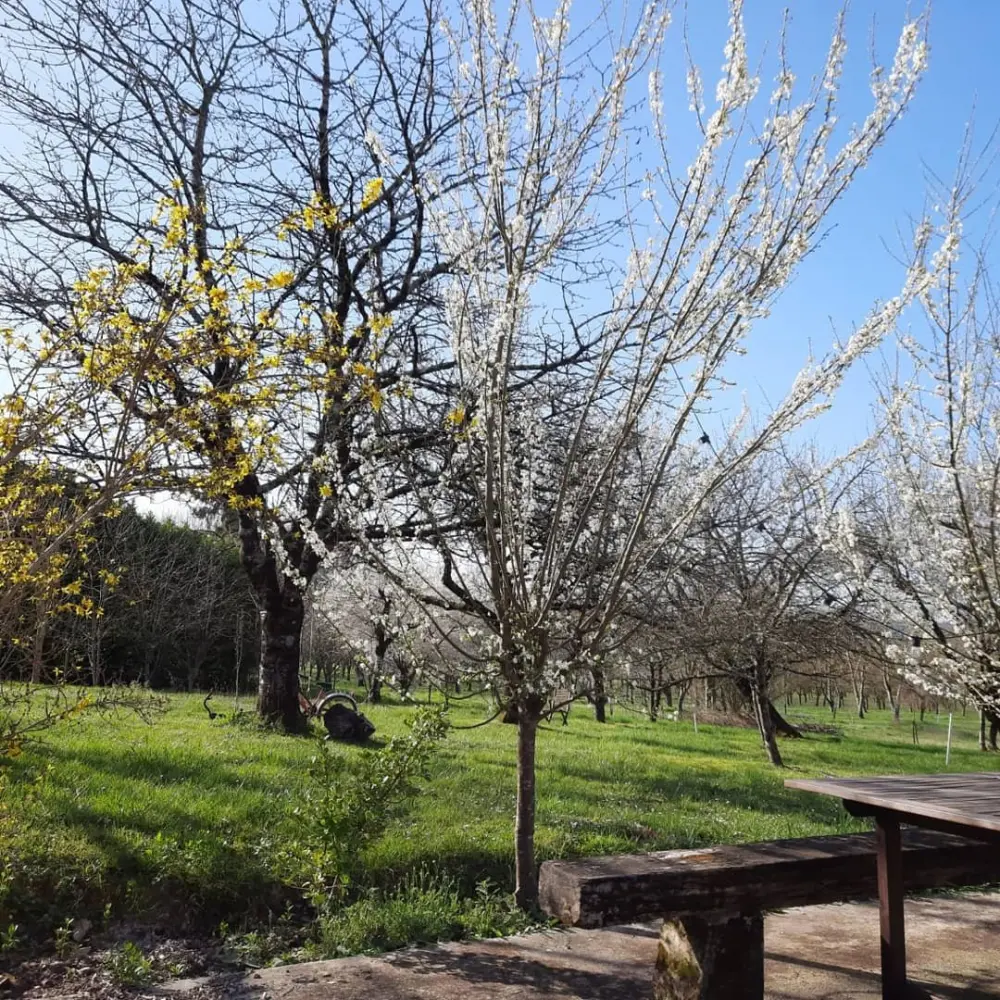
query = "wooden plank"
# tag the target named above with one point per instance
(968, 800)
(745, 878)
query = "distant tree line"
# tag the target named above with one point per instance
(149, 602)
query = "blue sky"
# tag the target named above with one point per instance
(837, 286)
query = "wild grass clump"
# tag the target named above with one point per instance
(425, 908)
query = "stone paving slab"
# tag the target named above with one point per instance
(813, 953)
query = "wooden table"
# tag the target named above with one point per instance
(966, 804)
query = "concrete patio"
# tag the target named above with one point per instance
(813, 953)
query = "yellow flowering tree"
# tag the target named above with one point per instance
(235, 362)
(47, 509)
(236, 205)
(47, 513)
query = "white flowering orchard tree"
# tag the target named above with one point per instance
(602, 315)
(931, 530)
(374, 619)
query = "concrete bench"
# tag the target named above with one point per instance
(712, 901)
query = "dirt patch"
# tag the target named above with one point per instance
(812, 953)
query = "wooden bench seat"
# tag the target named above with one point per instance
(712, 900)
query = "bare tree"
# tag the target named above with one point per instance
(760, 596)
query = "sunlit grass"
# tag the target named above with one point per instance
(181, 817)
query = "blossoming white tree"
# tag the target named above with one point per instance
(928, 538)
(602, 314)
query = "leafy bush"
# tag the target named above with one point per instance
(349, 805)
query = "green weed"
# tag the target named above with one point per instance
(128, 966)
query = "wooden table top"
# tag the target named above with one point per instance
(971, 800)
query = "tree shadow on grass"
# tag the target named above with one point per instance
(761, 796)
(163, 767)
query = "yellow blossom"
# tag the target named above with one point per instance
(372, 193)
(281, 279)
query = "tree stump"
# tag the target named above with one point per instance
(719, 957)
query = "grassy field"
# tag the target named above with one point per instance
(115, 819)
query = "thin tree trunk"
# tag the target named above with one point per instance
(38, 650)
(600, 695)
(894, 702)
(383, 640)
(526, 876)
(765, 725)
(859, 694)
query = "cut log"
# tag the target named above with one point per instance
(750, 878)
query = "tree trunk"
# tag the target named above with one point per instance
(526, 876)
(894, 702)
(859, 693)
(282, 615)
(600, 695)
(781, 725)
(982, 728)
(281, 641)
(765, 725)
(382, 642)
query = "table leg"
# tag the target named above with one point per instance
(890, 898)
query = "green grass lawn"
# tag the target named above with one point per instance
(180, 819)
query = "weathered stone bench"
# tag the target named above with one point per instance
(712, 900)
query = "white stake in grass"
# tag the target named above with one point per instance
(947, 752)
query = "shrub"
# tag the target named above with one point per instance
(349, 804)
